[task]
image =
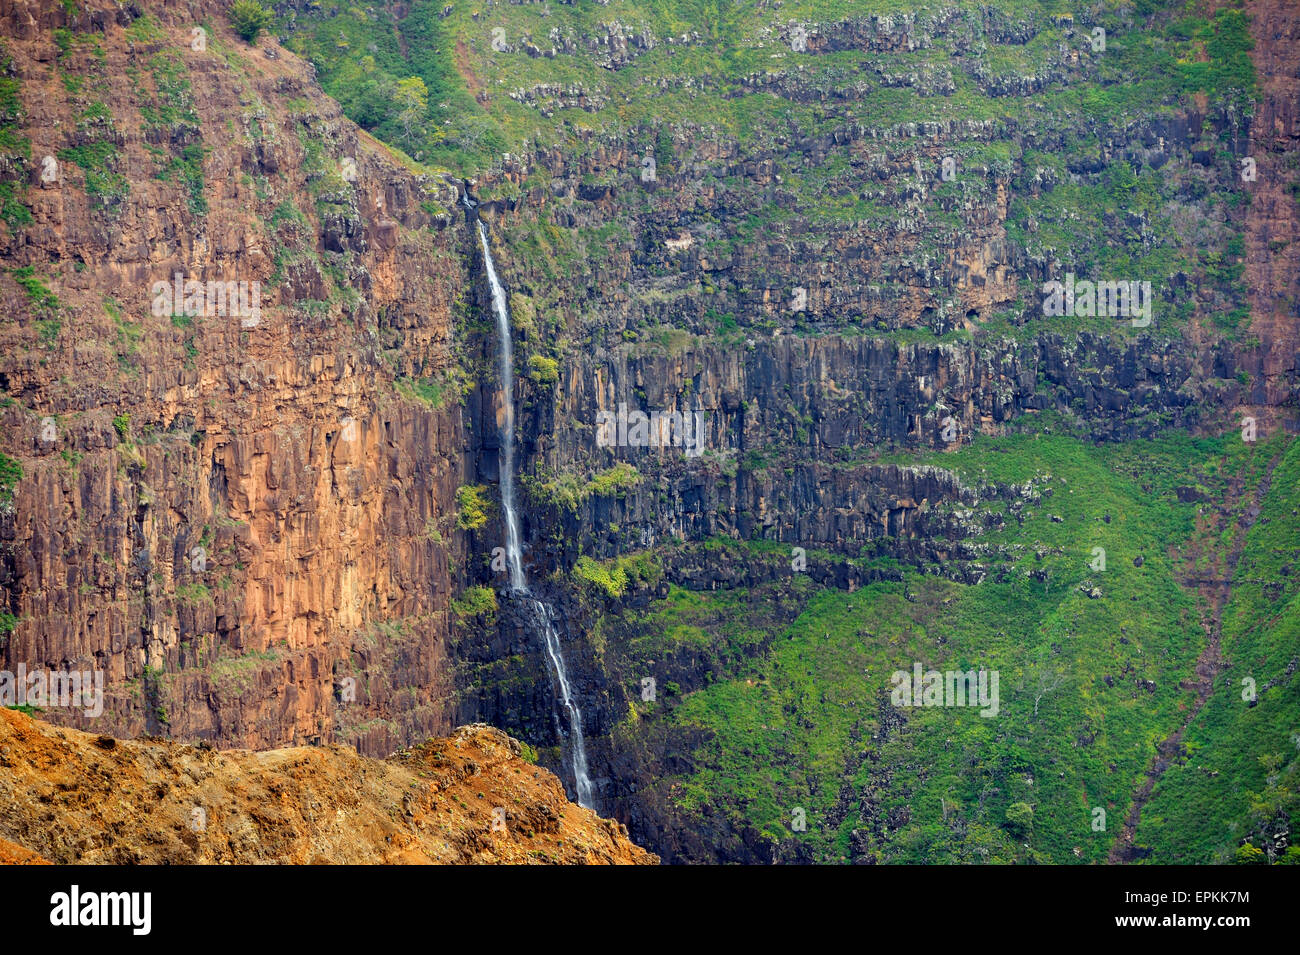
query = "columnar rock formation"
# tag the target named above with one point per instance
(231, 517)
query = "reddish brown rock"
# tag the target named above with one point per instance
(464, 799)
(320, 496)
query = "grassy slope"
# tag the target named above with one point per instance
(1150, 59)
(786, 727)
(1077, 202)
(1242, 775)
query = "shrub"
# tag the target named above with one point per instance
(611, 583)
(1020, 818)
(475, 602)
(11, 472)
(1249, 855)
(544, 371)
(612, 480)
(471, 507)
(249, 18)
(42, 299)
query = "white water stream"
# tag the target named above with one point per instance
(538, 610)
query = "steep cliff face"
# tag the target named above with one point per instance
(823, 236)
(757, 228)
(469, 798)
(243, 518)
(1272, 234)
(822, 290)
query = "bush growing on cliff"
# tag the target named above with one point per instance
(619, 477)
(471, 507)
(611, 582)
(1249, 855)
(523, 313)
(249, 18)
(475, 602)
(435, 392)
(15, 214)
(98, 162)
(543, 370)
(15, 148)
(11, 472)
(38, 293)
(1020, 818)
(570, 491)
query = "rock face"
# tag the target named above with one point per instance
(238, 518)
(469, 798)
(1273, 227)
(247, 521)
(11, 854)
(811, 346)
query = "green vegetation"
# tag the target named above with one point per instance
(776, 694)
(249, 18)
(173, 106)
(568, 491)
(1091, 668)
(612, 577)
(11, 472)
(543, 370)
(1239, 783)
(435, 392)
(187, 171)
(472, 506)
(45, 303)
(1220, 60)
(144, 30)
(232, 675)
(611, 580)
(1020, 820)
(365, 61)
(475, 602)
(15, 150)
(99, 162)
(455, 90)
(194, 593)
(43, 300)
(152, 680)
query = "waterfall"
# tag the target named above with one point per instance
(514, 558)
(578, 750)
(538, 611)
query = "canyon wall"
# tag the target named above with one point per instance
(244, 520)
(249, 522)
(824, 333)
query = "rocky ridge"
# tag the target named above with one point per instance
(468, 798)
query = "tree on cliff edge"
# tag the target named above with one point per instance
(249, 18)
